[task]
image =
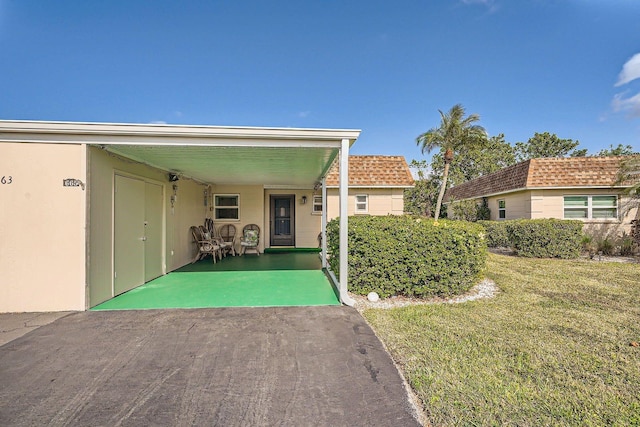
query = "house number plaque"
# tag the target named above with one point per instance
(72, 182)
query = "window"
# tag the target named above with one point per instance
(226, 206)
(317, 204)
(590, 207)
(502, 209)
(362, 203)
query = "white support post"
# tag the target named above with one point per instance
(324, 223)
(344, 223)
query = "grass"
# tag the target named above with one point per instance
(552, 348)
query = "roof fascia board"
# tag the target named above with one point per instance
(517, 190)
(374, 186)
(123, 133)
(287, 187)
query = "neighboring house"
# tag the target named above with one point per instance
(376, 185)
(91, 210)
(581, 188)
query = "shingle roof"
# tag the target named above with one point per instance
(554, 172)
(374, 171)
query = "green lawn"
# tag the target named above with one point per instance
(552, 348)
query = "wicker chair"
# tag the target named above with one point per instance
(250, 239)
(225, 247)
(228, 235)
(205, 246)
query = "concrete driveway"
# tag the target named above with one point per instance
(228, 367)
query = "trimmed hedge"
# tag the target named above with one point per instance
(410, 256)
(497, 234)
(537, 238)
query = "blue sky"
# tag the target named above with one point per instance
(525, 66)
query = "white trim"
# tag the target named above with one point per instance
(287, 187)
(323, 228)
(314, 204)
(375, 186)
(502, 209)
(344, 224)
(366, 203)
(177, 135)
(215, 206)
(589, 207)
(517, 190)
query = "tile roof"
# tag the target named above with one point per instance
(374, 171)
(556, 172)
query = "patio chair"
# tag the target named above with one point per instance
(205, 246)
(225, 247)
(250, 239)
(228, 234)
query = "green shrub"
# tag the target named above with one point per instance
(545, 238)
(627, 245)
(588, 245)
(497, 235)
(605, 246)
(410, 256)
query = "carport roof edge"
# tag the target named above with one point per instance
(210, 154)
(168, 134)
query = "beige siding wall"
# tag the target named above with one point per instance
(251, 209)
(42, 227)
(550, 204)
(188, 210)
(518, 205)
(553, 207)
(382, 201)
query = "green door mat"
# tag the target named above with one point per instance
(276, 288)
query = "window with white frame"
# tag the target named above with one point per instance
(362, 203)
(317, 204)
(226, 206)
(590, 207)
(502, 209)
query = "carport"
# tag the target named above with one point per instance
(289, 279)
(117, 173)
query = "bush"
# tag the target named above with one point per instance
(470, 210)
(627, 245)
(410, 256)
(545, 238)
(497, 235)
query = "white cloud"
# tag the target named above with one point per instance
(158, 122)
(630, 70)
(631, 105)
(303, 114)
(623, 102)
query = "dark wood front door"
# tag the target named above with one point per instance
(283, 220)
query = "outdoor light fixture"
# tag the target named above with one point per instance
(173, 177)
(304, 199)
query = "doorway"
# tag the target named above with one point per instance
(138, 232)
(282, 220)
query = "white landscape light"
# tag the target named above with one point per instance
(373, 297)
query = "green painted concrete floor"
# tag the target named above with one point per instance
(268, 280)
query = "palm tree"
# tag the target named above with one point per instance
(454, 134)
(630, 174)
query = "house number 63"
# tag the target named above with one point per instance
(6, 180)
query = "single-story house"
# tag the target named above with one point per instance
(583, 188)
(91, 210)
(376, 186)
